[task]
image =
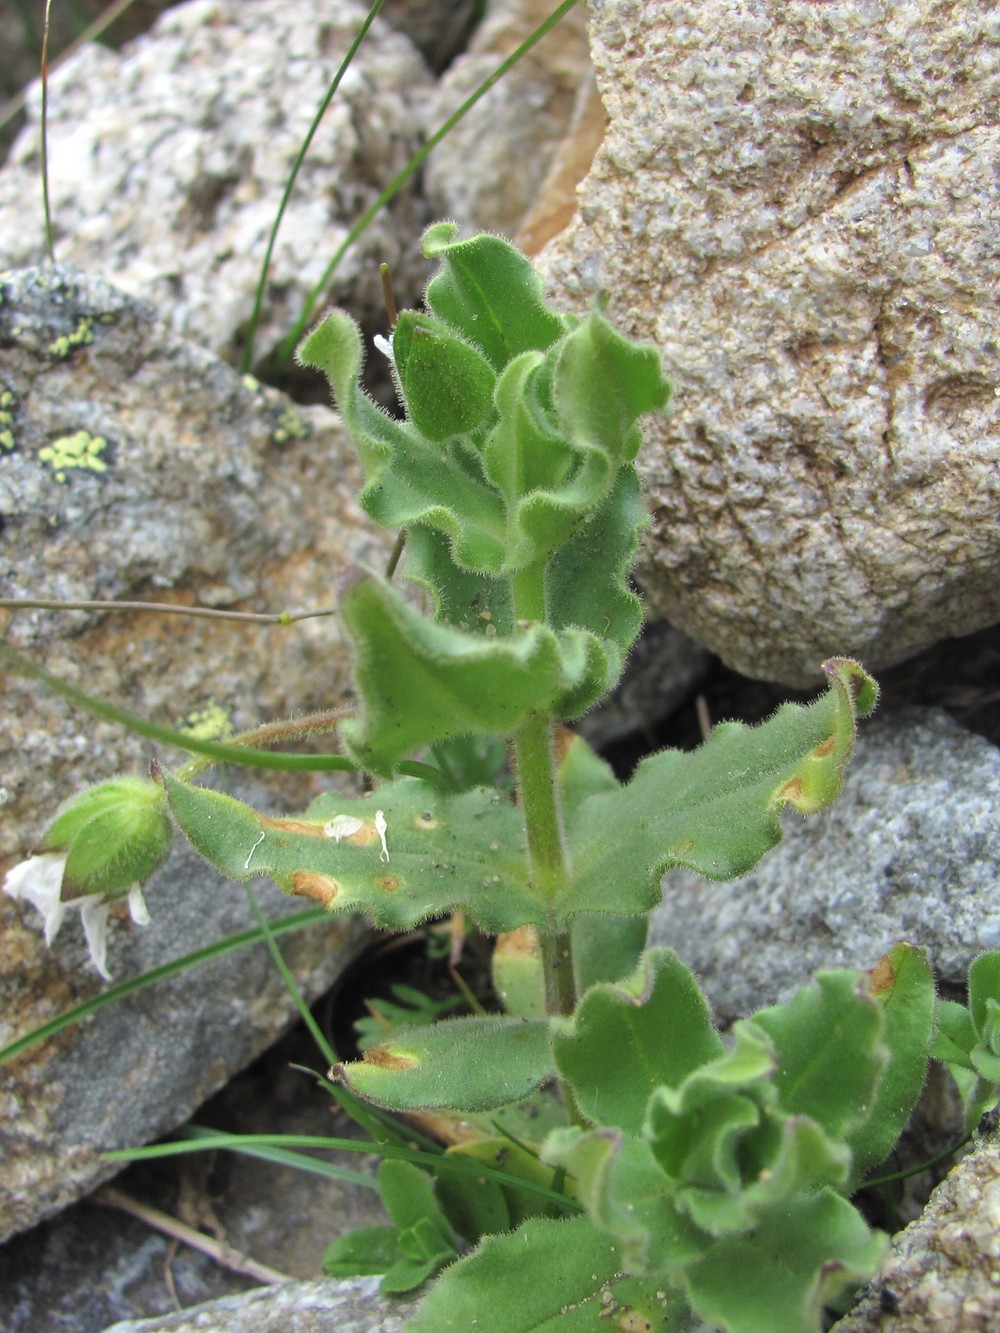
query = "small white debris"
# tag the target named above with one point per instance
(246, 863)
(380, 829)
(342, 826)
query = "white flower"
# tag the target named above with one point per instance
(39, 882)
(384, 345)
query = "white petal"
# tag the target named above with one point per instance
(384, 345)
(39, 881)
(137, 906)
(94, 911)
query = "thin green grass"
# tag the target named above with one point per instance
(123, 989)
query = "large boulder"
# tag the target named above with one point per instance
(799, 205)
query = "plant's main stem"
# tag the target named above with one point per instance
(534, 758)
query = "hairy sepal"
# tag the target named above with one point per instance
(714, 809)
(445, 853)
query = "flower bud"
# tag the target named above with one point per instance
(114, 836)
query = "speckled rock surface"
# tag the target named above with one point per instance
(293, 1307)
(800, 205)
(488, 171)
(167, 162)
(213, 491)
(941, 1275)
(910, 851)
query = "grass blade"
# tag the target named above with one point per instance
(289, 344)
(293, 174)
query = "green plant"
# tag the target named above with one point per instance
(670, 1172)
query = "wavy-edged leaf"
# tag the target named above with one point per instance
(445, 853)
(465, 1064)
(627, 1039)
(834, 1013)
(902, 983)
(409, 479)
(547, 1277)
(422, 682)
(489, 289)
(715, 809)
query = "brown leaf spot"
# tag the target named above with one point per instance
(824, 748)
(520, 943)
(364, 835)
(882, 976)
(682, 848)
(383, 1057)
(633, 1322)
(291, 826)
(791, 791)
(425, 821)
(388, 883)
(309, 884)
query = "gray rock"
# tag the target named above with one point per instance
(168, 160)
(489, 170)
(294, 1307)
(215, 491)
(140, 1066)
(800, 207)
(662, 670)
(94, 1264)
(940, 1274)
(910, 851)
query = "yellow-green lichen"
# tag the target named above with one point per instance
(6, 421)
(210, 723)
(290, 426)
(80, 450)
(80, 337)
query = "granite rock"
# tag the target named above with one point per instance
(799, 205)
(213, 490)
(167, 162)
(490, 169)
(940, 1275)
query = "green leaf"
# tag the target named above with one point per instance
(563, 1276)
(447, 385)
(464, 1064)
(409, 479)
(778, 1278)
(445, 853)
(488, 289)
(714, 809)
(833, 1014)
(625, 1040)
(628, 1196)
(365, 1252)
(421, 682)
(984, 993)
(423, 1234)
(519, 1164)
(474, 1206)
(902, 982)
